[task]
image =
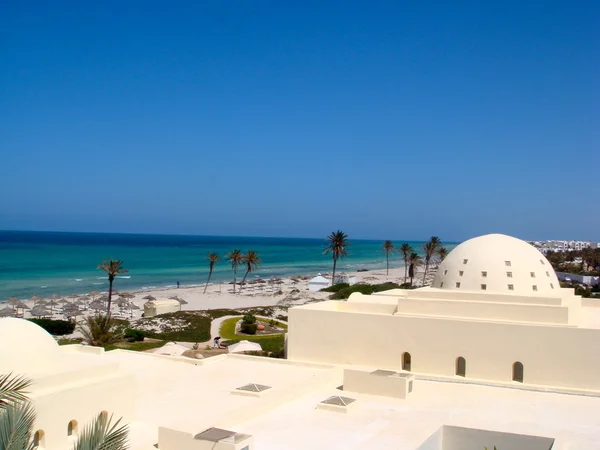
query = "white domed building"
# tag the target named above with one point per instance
(495, 313)
(70, 384)
(498, 264)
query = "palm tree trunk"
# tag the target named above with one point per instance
(245, 275)
(208, 281)
(405, 269)
(426, 269)
(387, 257)
(110, 283)
(234, 279)
(333, 277)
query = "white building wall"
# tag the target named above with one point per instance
(551, 355)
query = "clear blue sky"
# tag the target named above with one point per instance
(272, 118)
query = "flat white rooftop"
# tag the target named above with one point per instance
(193, 398)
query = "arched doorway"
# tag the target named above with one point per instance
(517, 372)
(406, 361)
(461, 366)
(72, 428)
(39, 439)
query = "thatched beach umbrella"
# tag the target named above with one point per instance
(12, 300)
(63, 300)
(85, 298)
(20, 305)
(52, 304)
(96, 305)
(126, 295)
(94, 294)
(54, 297)
(74, 296)
(7, 312)
(40, 311)
(149, 297)
(35, 299)
(180, 300)
(122, 302)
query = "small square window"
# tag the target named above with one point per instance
(511, 287)
(507, 263)
(509, 274)
(445, 272)
(460, 273)
(532, 274)
(551, 285)
(458, 284)
(484, 274)
(534, 287)
(465, 261)
(483, 287)
(547, 273)
(442, 284)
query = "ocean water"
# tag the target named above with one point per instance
(44, 263)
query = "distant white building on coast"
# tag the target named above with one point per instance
(563, 246)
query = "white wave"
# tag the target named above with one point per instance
(125, 276)
(97, 283)
(43, 287)
(78, 279)
(101, 278)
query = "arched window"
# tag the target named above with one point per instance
(461, 366)
(406, 361)
(39, 439)
(517, 372)
(72, 428)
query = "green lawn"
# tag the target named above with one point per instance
(269, 343)
(135, 346)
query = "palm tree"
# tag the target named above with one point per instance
(252, 261)
(414, 261)
(235, 258)
(406, 251)
(442, 252)
(338, 241)
(17, 416)
(430, 248)
(112, 269)
(387, 247)
(212, 258)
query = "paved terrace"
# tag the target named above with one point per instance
(192, 398)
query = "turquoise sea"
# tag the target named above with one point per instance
(44, 263)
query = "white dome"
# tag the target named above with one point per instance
(25, 347)
(498, 264)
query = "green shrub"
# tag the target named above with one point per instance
(366, 289)
(336, 287)
(248, 328)
(249, 319)
(134, 335)
(55, 327)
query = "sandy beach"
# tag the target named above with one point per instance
(284, 292)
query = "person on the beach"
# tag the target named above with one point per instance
(178, 285)
(217, 343)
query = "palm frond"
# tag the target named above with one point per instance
(112, 267)
(101, 434)
(16, 425)
(12, 389)
(387, 246)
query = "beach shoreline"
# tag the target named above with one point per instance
(284, 292)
